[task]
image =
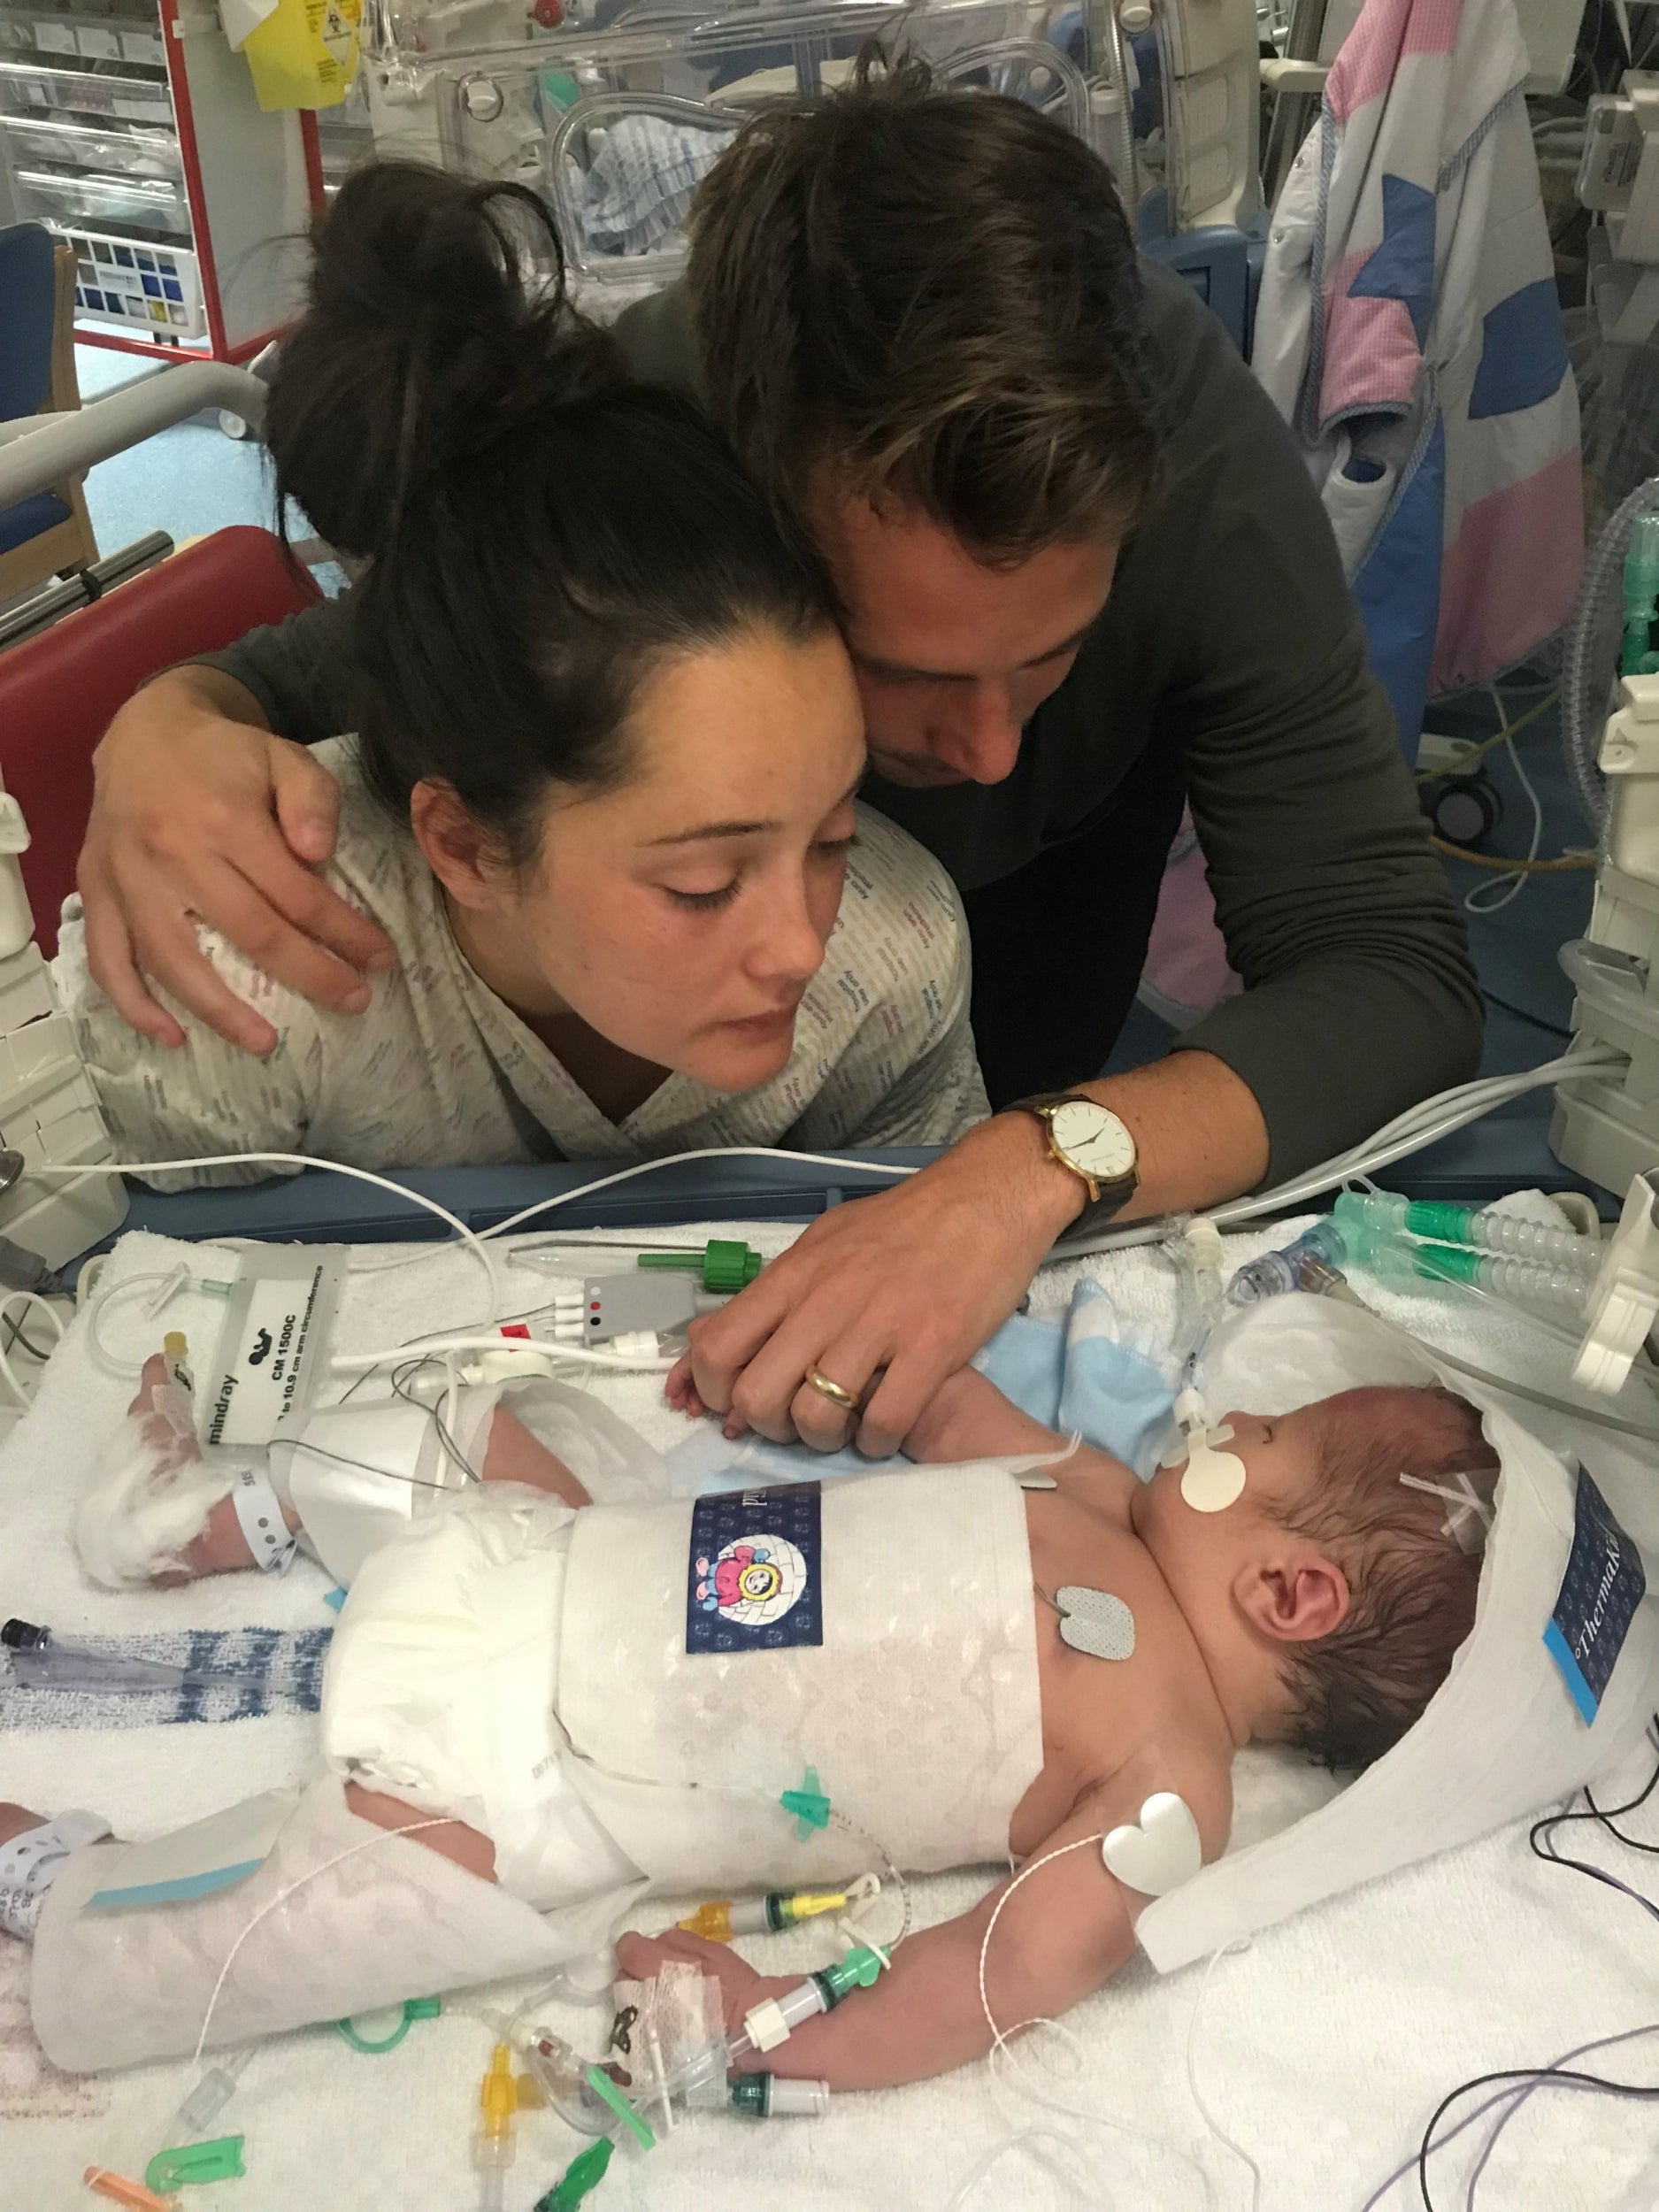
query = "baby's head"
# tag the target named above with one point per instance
(1331, 1596)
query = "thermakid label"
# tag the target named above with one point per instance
(754, 1579)
(1603, 1584)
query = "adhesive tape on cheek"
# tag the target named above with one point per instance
(1213, 1480)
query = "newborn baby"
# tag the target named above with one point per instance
(1317, 1607)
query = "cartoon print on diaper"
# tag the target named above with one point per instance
(753, 1573)
(754, 1583)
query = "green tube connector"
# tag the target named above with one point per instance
(578, 2180)
(725, 1263)
(375, 2046)
(809, 1804)
(857, 1970)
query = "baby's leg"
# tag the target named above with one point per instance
(350, 1918)
(16, 1820)
(512, 1455)
(451, 1839)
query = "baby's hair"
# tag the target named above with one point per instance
(1411, 1584)
(543, 531)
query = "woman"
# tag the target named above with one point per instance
(613, 723)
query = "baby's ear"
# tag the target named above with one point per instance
(1296, 1599)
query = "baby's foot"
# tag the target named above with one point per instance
(160, 1511)
(32, 1851)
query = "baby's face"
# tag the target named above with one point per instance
(1281, 1461)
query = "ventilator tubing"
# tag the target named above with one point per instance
(389, 1919)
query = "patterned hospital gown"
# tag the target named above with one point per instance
(438, 1071)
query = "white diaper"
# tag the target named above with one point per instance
(625, 1692)
(443, 1683)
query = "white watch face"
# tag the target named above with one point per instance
(1093, 1140)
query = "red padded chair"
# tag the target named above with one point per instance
(59, 690)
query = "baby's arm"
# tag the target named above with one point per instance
(1063, 1931)
(968, 1417)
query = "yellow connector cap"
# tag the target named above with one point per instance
(712, 1922)
(498, 2093)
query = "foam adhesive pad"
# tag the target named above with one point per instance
(1160, 1852)
(1095, 1622)
(1213, 1480)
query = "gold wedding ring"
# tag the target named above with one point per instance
(820, 1382)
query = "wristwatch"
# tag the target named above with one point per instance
(1094, 1143)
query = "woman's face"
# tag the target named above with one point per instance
(682, 913)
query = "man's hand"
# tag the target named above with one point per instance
(898, 1290)
(889, 1296)
(199, 812)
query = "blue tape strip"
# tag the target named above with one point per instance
(173, 1893)
(1571, 1673)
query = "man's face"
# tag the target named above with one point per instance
(953, 658)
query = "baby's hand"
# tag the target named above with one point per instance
(968, 1417)
(681, 1391)
(641, 1957)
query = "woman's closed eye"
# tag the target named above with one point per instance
(706, 902)
(832, 852)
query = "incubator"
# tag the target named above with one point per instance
(614, 114)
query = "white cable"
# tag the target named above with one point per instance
(119, 1293)
(469, 1237)
(354, 1363)
(1002, 2049)
(382, 1835)
(1239, 1943)
(1474, 903)
(1418, 1125)
(681, 1159)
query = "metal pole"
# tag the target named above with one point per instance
(37, 451)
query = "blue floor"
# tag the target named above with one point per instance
(187, 481)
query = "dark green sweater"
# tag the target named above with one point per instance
(1229, 634)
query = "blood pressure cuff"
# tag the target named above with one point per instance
(1552, 1689)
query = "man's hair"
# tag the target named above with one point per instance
(936, 294)
(1412, 1586)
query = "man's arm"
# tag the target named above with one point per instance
(199, 809)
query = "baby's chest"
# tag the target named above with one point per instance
(1110, 1644)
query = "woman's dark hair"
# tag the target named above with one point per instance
(933, 295)
(541, 533)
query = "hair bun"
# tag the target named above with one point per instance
(438, 319)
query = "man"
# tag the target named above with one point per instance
(1084, 578)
